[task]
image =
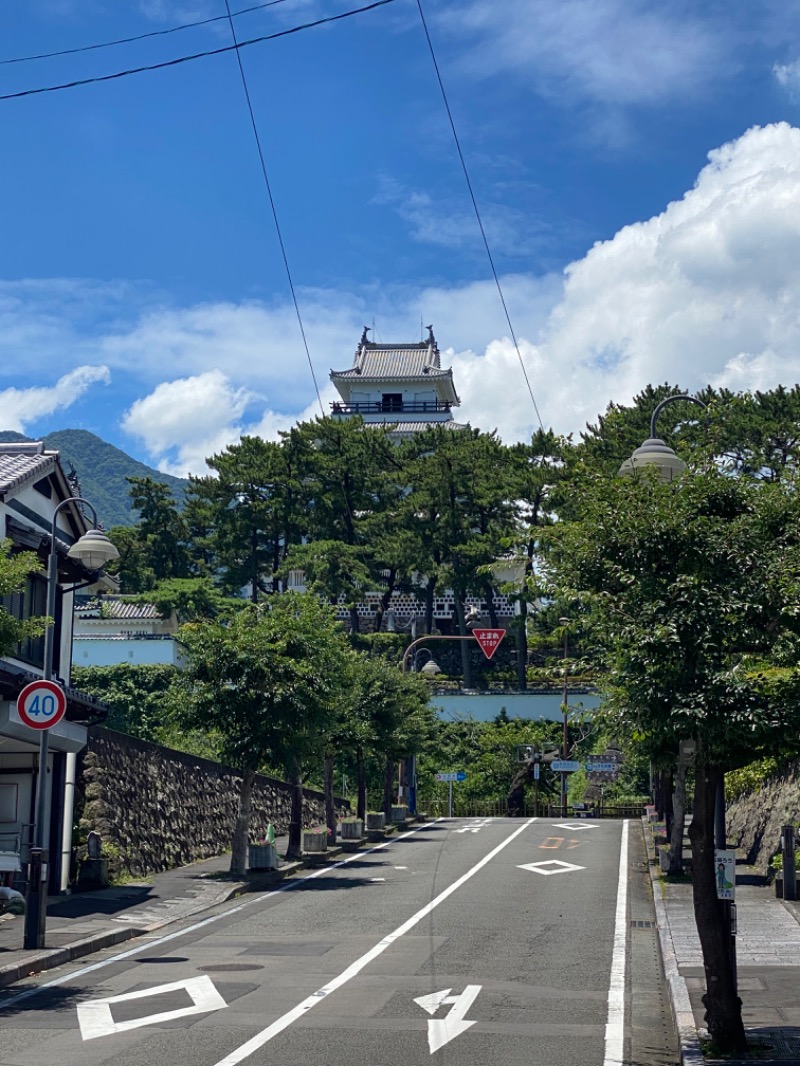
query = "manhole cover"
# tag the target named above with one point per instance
(230, 967)
(642, 925)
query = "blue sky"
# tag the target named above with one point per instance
(637, 166)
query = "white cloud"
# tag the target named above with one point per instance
(189, 418)
(787, 76)
(616, 52)
(706, 292)
(20, 407)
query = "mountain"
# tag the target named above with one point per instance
(101, 470)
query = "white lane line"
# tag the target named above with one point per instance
(151, 944)
(355, 968)
(615, 1019)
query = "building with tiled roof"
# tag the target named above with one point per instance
(35, 491)
(110, 631)
(402, 386)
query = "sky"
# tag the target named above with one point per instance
(636, 166)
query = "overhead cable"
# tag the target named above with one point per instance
(478, 214)
(138, 37)
(196, 55)
(272, 205)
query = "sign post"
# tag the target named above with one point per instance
(40, 705)
(456, 775)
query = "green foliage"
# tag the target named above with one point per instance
(14, 570)
(750, 778)
(142, 699)
(190, 598)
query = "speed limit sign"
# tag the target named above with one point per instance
(41, 704)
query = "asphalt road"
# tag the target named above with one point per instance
(486, 941)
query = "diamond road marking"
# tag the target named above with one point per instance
(95, 1017)
(575, 826)
(559, 867)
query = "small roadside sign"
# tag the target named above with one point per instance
(565, 766)
(489, 640)
(725, 873)
(41, 704)
(457, 775)
(600, 767)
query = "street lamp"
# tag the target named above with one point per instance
(430, 669)
(655, 452)
(92, 550)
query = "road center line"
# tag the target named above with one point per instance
(356, 967)
(150, 944)
(615, 1019)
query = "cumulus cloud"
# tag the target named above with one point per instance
(706, 292)
(21, 407)
(188, 418)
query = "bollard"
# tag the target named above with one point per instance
(789, 871)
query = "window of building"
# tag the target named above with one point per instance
(392, 401)
(30, 603)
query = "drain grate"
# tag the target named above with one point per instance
(775, 1043)
(636, 924)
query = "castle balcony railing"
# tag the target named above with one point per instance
(377, 407)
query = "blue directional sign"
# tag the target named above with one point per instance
(461, 776)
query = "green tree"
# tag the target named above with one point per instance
(268, 682)
(692, 592)
(156, 547)
(15, 569)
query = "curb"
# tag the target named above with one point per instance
(49, 959)
(691, 1055)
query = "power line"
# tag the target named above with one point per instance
(195, 55)
(477, 213)
(138, 37)
(272, 204)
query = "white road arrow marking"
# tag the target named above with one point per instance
(432, 1002)
(442, 1030)
(95, 1017)
(476, 826)
(557, 867)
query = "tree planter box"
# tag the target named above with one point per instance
(315, 842)
(399, 813)
(352, 830)
(376, 820)
(262, 857)
(663, 859)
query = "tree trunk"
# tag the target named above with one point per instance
(355, 621)
(429, 594)
(241, 830)
(388, 789)
(678, 819)
(386, 599)
(521, 637)
(723, 1006)
(295, 848)
(330, 809)
(488, 592)
(466, 665)
(362, 785)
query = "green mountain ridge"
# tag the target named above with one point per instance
(102, 469)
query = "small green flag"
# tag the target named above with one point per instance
(270, 834)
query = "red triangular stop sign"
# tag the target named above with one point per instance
(489, 640)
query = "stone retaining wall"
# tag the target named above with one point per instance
(754, 821)
(160, 808)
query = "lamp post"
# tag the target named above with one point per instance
(654, 452)
(93, 549)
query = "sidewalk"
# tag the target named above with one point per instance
(768, 962)
(86, 922)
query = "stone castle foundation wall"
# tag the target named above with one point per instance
(160, 808)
